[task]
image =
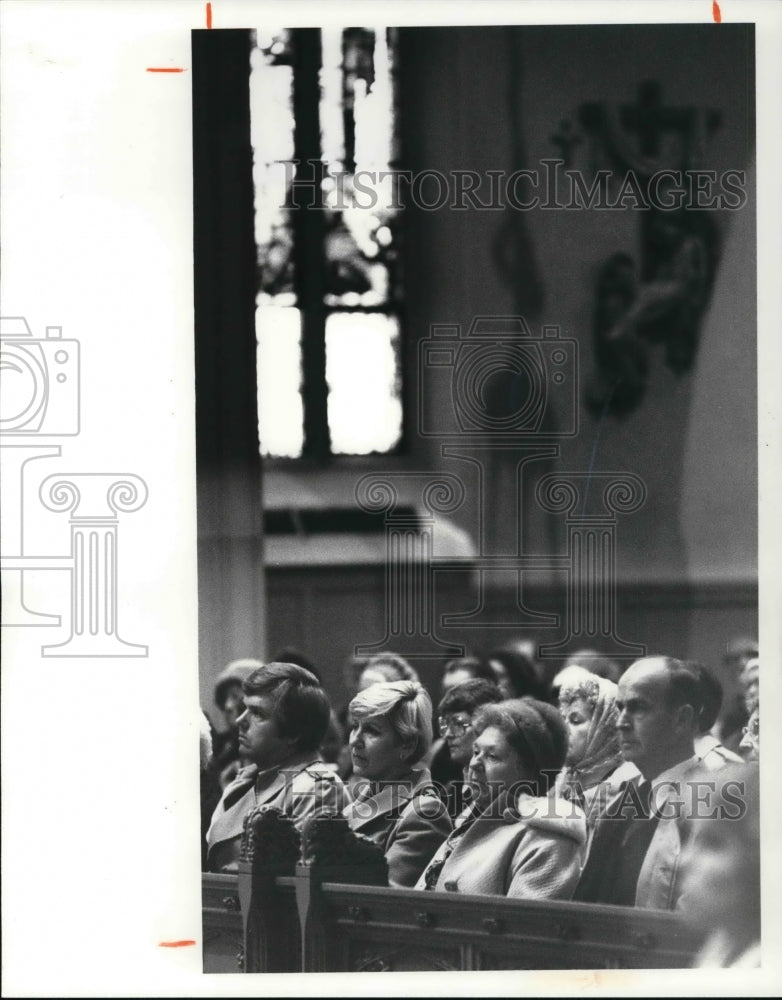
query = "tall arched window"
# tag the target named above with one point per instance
(327, 228)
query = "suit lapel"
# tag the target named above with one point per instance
(267, 794)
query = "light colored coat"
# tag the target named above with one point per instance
(713, 754)
(659, 881)
(304, 787)
(533, 853)
(406, 818)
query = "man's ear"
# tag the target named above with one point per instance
(684, 718)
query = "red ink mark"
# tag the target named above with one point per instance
(209, 15)
(174, 944)
(161, 69)
(716, 13)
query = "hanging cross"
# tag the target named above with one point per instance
(651, 120)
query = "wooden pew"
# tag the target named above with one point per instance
(382, 930)
(324, 905)
(222, 928)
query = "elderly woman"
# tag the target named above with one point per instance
(594, 765)
(395, 803)
(515, 839)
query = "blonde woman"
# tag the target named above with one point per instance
(394, 801)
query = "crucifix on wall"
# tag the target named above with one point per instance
(655, 150)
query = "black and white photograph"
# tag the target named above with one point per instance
(390, 444)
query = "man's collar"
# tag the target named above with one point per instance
(678, 771)
(290, 765)
(705, 743)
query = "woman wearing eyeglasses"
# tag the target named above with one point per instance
(516, 839)
(455, 712)
(395, 803)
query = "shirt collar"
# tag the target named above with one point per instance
(678, 771)
(705, 743)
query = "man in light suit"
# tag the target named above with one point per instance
(635, 854)
(285, 717)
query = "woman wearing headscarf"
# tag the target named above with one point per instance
(394, 802)
(594, 766)
(515, 839)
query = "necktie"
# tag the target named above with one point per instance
(622, 838)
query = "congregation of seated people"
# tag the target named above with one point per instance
(595, 782)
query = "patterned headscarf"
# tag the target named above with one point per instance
(602, 754)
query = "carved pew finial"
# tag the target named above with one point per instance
(271, 840)
(328, 842)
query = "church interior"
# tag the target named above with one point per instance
(614, 507)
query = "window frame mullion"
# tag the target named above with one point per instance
(308, 224)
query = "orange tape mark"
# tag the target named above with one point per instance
(174, 944)
(716, 13)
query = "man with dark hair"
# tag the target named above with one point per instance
(639, 836)
(454, 749)
(711, 752)
(285, 717)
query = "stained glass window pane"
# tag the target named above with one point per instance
(271, 137)
(357, 115)
(280, 408)
(364, 404)
(357, 245)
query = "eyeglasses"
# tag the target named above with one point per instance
(457, 727)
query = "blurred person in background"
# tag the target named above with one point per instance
(292, 655)
(515, 673)
(749, 679)
(596, 663)
(738, 652)
(394, 801)
(384, 667)
(750, 740)
(465, 668)
(210, 790)
(331, 748)
(229, 698)
(720, 871)
(707, 746)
